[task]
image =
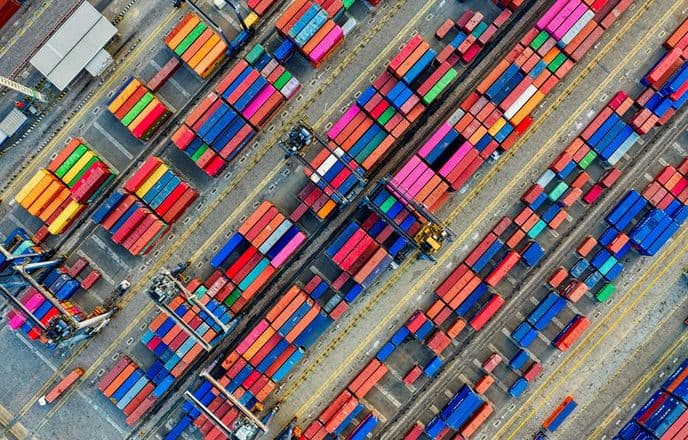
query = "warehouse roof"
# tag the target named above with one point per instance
(82, 36)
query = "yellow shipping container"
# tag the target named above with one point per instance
(57, 201)
(141, 116)
(124, 95)
(258, 344)
(183, 32)
(78, 166)
(45, 198)
(204, 50)
(38, 190)
(65, 218)
(528, 108)
(152, 180)
(30, 185)
(251, 19)
(497, 126)
(212, 60)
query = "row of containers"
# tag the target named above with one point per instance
(663, 416)
(242, 103)
(62, 283)
(489, 120)
(59, 193)
(470, 291)
(197, 45)
(310, 27)
(262, 245)
(359, 253)
(138, 109)
(140, 214)
(383, 113)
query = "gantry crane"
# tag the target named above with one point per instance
(35, 94)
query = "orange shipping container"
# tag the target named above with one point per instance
(288, 310)
(477, 420)
(196, 46)
(203, 51)
(183, 32)
(282, 303)
(119, 380)
(303, 323)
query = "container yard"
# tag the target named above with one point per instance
(315, 219)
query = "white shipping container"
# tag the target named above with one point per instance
(13, 122)
(623, 149)
(576, 28)
(520, 102)
(545, 178)
(324, 168)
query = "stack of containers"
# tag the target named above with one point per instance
(130, 388)
(309, 27)
(364, 251)
(174, 351)
(135, 106)
(643, 222)
(151, 200)
(244, 101)
(664, 414)
(197, 44)
(213, 134)
(260, 247)
(365, 133)
(382, 113)
(473, 34)
(60, 192)
(498, 111)
(266, 356)
(665, 94)
(459, 410)
(58, 281)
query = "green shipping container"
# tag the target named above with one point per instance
(479, 29)
(137, 109)
(254, 274)
(189, 39)
(556, 62)
(283, 80)
(438, 88)
(387, 204)
(71, 160)
(557, 191)
(587, 159)
(537, 229)
(371, 146)
(254, 54)
(605, 292)
(539, 40)
(232, 298)
(155, 238)
(199, 152)
(386, 116)
(89, 164)
(348, 3)
(155, 126)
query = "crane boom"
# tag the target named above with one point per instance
(6, 82)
